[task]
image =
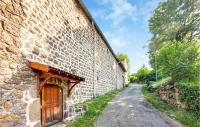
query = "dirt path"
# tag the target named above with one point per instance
(130, 109)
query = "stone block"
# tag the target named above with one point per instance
(9, 7)
(34, 91)
(34, 111)
(8, 104)
(21, 87)
(7, 86)
(5, 71)
(36, 50)
(7, 38)
(13, 80)
(13, 66)
(12, 29)
(13, 49)
(4, 63)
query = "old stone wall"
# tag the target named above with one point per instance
(16, 79)
(170, 94)
(56, 33)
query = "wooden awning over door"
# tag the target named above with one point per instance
(46, 72)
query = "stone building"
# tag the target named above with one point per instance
(52, 56)
(126, 66)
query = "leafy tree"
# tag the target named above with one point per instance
(174, 20)
(140, 75)
(123, 57)
(132, 78)
(173, 50)
(152, 76)
(181, 61)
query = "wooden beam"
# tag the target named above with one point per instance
(38, 66)
(48, 77)
(44, 75)
(70, 88)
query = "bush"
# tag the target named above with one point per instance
(162, 82)
(188, 118)
(144, 75)
(151, 76)
(179, 60)
(151, 86)
(190, 94)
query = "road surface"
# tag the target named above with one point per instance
(130, 109)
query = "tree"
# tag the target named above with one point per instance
(174, 20)
(123, 57)
(132, 78)
(141, 74)
(180, 61)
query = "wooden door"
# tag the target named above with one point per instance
(51, 104)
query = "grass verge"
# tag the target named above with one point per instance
(161, 82)
(95, 108)
(185, 117)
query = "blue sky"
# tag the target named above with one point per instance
(125, 25)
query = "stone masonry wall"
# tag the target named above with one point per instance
(16, 79)
(170, 94)
(56, 33)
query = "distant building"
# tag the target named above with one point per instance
(52, 56)
(125, 64)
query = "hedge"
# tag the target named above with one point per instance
(190, 95)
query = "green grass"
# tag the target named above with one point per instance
(161, 82)
(95, 108)
(185, 117)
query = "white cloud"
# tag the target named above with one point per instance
(118, 42)
(120, 11)
(116, 39)
(97, 13)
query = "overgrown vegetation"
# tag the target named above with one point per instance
(174, 52)
(174, 20)
(187, 118)
(174, 47)
(124, 57)
(95, 108)
(180, 61)
(144, 75)
(190, 95)
(156, 84)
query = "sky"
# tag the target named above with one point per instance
(125, 25)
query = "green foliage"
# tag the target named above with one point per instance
(156, 84)
(123, 57)
(132, 78)
(141, 76)
(187, 118)
(152, 76)
(95, 108)
(174, 20)
(180, 61)
(173, 50)
(190, 94)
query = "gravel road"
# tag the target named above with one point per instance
(130, 109)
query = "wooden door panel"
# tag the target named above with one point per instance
(52, 103)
